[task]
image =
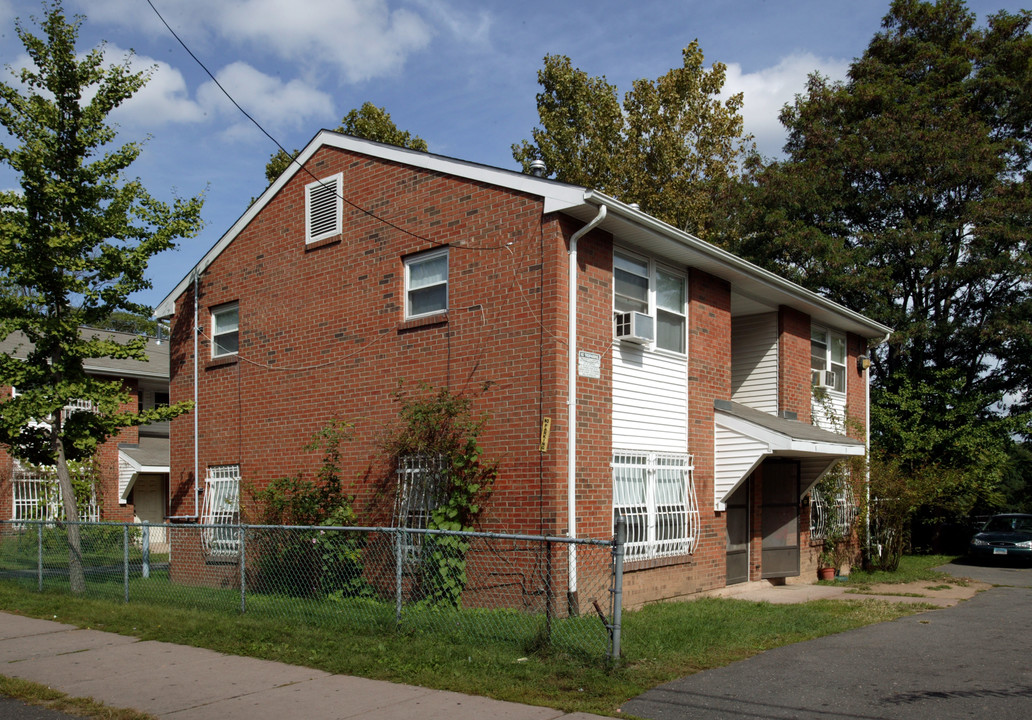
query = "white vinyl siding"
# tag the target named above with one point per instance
(324, 208)
(738, 456)
(650, 399)
(754, 361)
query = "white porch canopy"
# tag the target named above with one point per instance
(745, 437)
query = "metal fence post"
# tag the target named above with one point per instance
(145, 551)
(618, 561)
(243, 568)
(125, 560)
(39, 555)
(399, 557)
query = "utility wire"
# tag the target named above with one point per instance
(293, 158)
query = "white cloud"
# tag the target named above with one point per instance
(471, 29)
(163, 100)
(270, 101)
(360, 39)
(766, 92)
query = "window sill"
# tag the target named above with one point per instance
(221, 362)
(325, 242)
(654, 563)
(429, 320)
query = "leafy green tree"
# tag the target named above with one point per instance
(74, 245)
(905, 196)
(674, 147)
(369, 122)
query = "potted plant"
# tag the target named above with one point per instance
(826, 560)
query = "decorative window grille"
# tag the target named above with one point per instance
(221, 508)
(655, 494)
(835, 515)
(420, 484)
(37, 496)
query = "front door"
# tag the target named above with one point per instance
(780, 519)
(737, 517)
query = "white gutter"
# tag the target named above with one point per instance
(571, 402)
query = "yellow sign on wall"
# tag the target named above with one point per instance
(546, 428)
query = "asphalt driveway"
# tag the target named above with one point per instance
(971, 660)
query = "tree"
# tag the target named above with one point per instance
(905, 196)
(74, 245)
(673, 147)
(369, 122)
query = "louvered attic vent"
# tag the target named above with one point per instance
(323, 208)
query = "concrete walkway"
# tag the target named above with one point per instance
(187, 683)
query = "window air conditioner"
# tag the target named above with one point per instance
(828, 379)
(635, 327)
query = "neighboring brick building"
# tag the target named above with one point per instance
(132, 466)
(373, 265)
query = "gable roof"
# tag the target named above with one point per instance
(156, 367)
(627, 224)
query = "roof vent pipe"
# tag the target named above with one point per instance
(538, 168)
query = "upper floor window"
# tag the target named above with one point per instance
(828, 359)
(426, 283)
(324, 209)
(225, 330)
(640, 285)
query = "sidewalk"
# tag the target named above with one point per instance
(187, 683)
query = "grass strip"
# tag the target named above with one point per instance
(661, 642)
(40, 695)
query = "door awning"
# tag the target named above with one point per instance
(744, 437)
(149, 455)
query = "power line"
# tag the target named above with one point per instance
(293, 158)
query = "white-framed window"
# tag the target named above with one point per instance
(426, 283)
(37, 496)
(828, 359)
(225, 330)
(655, 494)
(221, 508)
(642, 285)
(324, 208)
(420, 483)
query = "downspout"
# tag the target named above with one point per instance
(867, 441)
(571, 405)
(196, 429)
(196, 331)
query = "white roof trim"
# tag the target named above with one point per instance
(741, 274)
(138, 470)
(557, 196)
(785, 445)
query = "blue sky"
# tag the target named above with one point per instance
(462, 74)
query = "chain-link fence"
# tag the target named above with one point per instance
(534, 592)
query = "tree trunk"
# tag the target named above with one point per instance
(76, 571)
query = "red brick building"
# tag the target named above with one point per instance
(132, 466)
(676, 378)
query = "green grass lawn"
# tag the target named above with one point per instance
(478, 656)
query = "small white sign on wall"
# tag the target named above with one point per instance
(589, 364)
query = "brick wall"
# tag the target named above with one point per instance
(322, 336)
(794, 388)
